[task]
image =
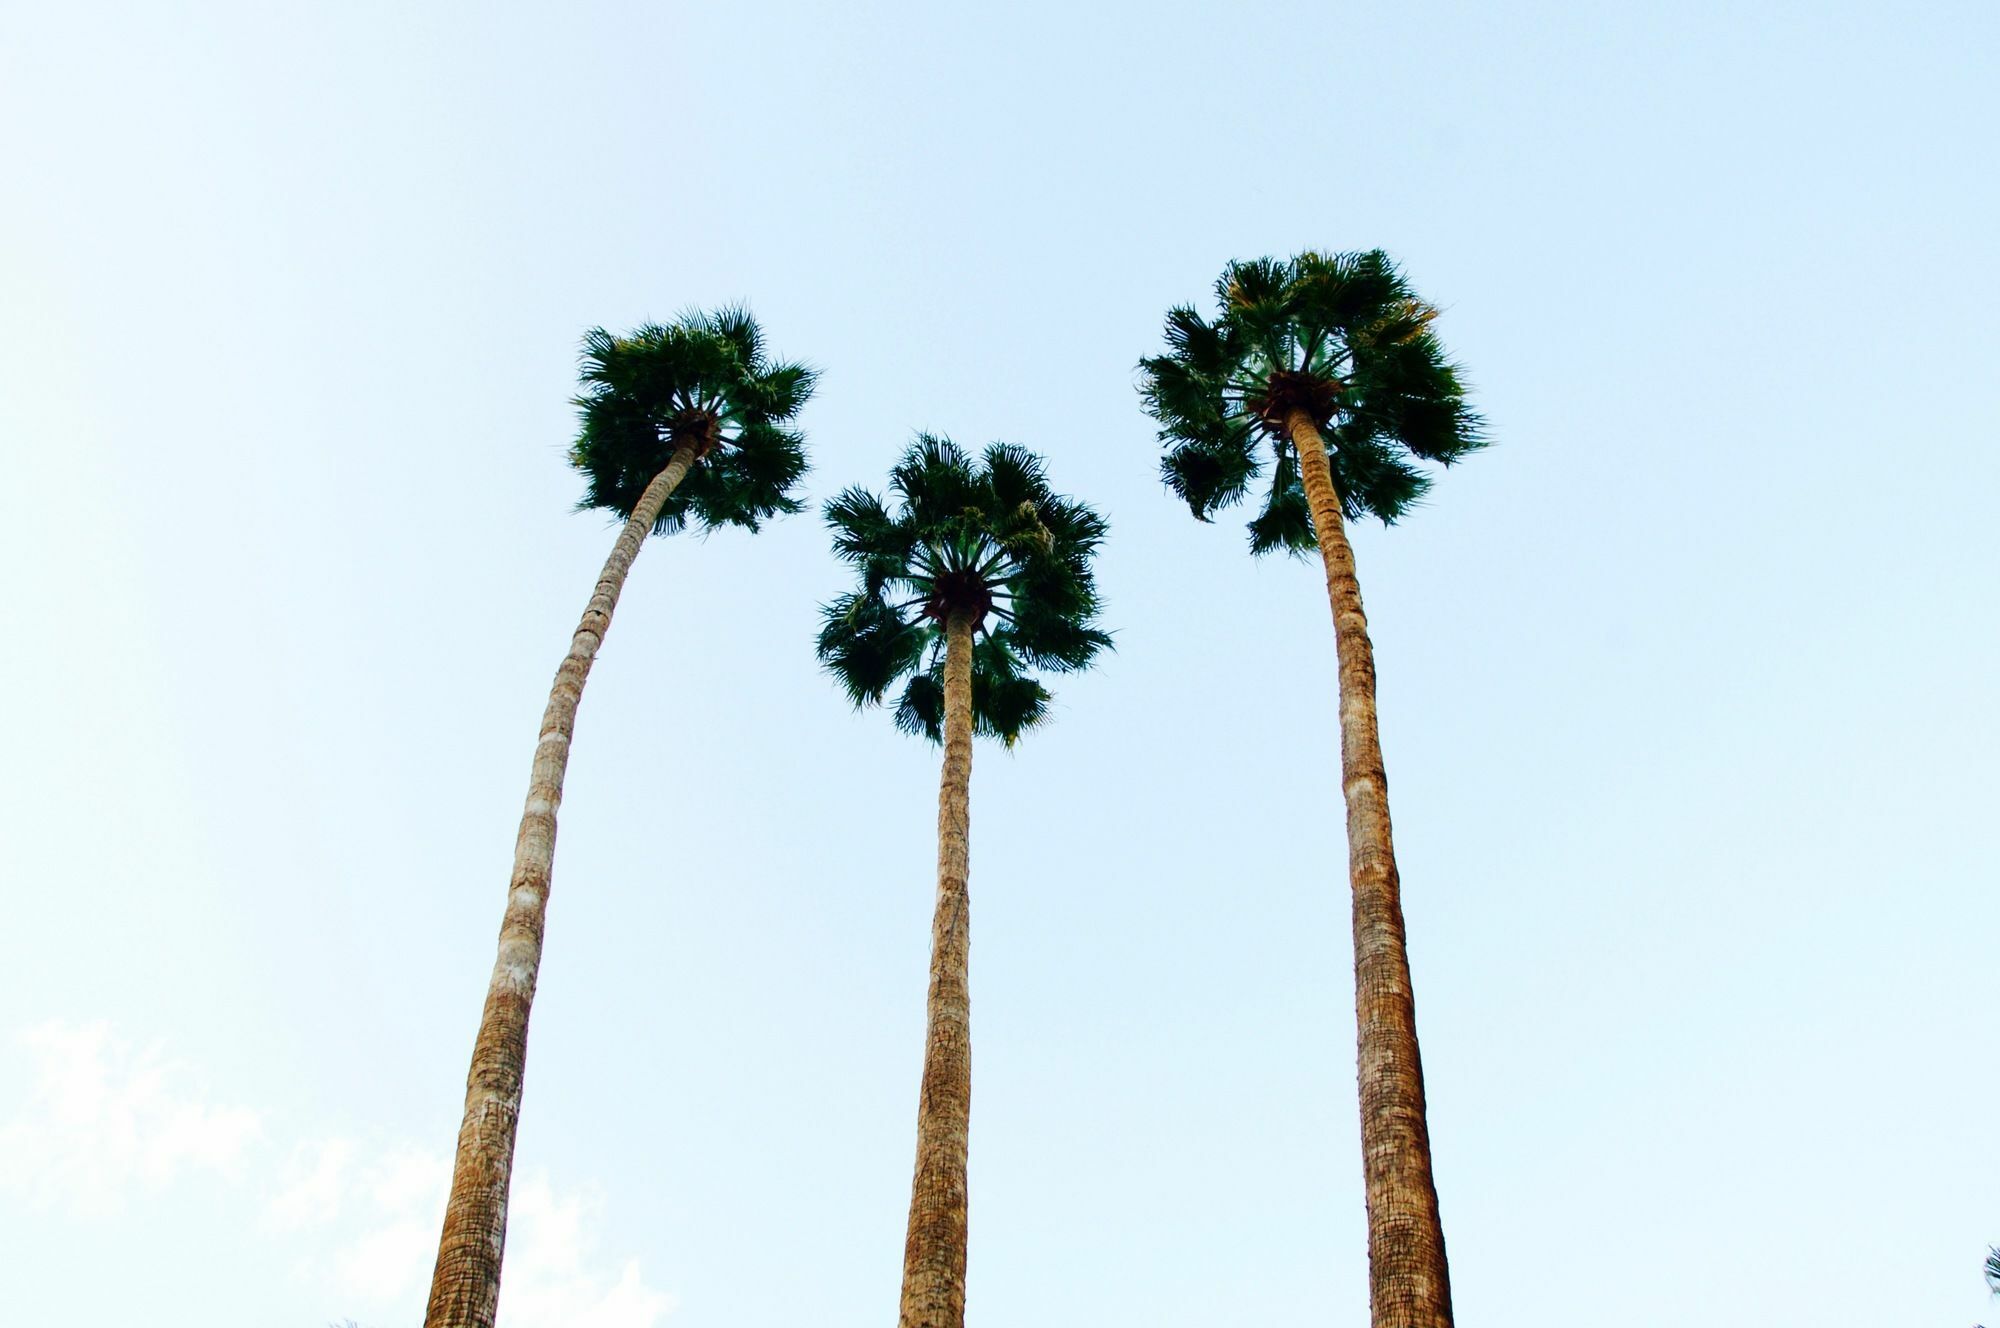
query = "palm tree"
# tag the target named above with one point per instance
(681, 423)
(977, 574)
(1329, 362)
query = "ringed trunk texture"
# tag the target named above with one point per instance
(1409, 1285)
(465, 1287)
(934, 1251)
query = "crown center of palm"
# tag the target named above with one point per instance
(697, 429)
(1290, 390)
(963, 591)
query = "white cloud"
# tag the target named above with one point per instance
(103, 1119)
(102, 1122)
(388, 1263)
(314, 1182)
(408, 1177)
(400, 1199)
(553, 1276)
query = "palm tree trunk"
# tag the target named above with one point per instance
(1409, 1286)
(465, 1288)
(934, 1251)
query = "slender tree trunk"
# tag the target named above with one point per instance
(934, 1252)
(465, 1288)
(1409, 1286)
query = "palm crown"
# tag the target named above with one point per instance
(983, 540)
(1341, 338)
(704, 382)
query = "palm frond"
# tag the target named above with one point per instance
(1016, 476)
(1208, 477)
(733, 324)
(1373, 476)
(1339, 336)
(703, 381)
(1006, 708)
(921, 711)
(986, 538)
(1285, 525)
(866, 645)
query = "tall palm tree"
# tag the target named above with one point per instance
(1328, 364)
(683, 422)
(976, 574)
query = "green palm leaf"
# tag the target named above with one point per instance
(704, 382)
(986, 537)
(1341, 337)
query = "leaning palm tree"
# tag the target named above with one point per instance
(975, 575)
(681, 423)
(1326, 365)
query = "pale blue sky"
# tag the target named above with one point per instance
(1686, 686)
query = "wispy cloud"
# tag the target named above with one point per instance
(555, 1274)
(103, 1122)
(399, 1201)
(551, 1249)
(104, 1119)
(312, 1185)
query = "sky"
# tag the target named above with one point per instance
(1685, 684)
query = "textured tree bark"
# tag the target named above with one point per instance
(465, 1287)
(1409, 1285)
(934, 1251)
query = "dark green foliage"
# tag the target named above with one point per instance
(984, 538)
(703, 381)
(1341, 337)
